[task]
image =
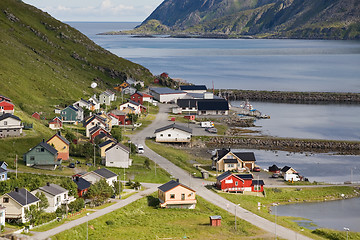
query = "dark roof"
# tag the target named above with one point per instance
(106, 173)
(245, 156)
(73, 108)
(81, 183)
(23, 197)
(125, 148)
(284, 169)
(46, 146)
(174, 125)
(2, 170)
(2, 162)
(135, 103)
(222, 152)
(224, 175)
(185, 103)
(193, 87)
(5, 98)
(53, 189)
(58, 134)
(274, 168)
(230, 160)
(9, 115)
(102, 135)
(106, 143)
(245, 176)
(257, 182)
(170, 185)
(213, 104)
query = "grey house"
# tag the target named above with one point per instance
(118, 156)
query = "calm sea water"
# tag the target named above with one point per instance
(291, 65)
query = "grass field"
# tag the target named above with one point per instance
(142, 220)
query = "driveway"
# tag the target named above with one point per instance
(199, 185)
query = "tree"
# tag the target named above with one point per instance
(116, 133)
(116, 188)
(68, 184)
(70, 136)
(133, 117)
(32, 213)
(76, 205)
(99, 192)
(147, 163)
(44, 203)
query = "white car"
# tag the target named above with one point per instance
(140, 149)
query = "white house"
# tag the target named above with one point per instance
(16, 202)
(99, 174)
(84, 104)
(95, 102)
(166, 95)
(173, 133)
(55, 195)
(94, 121)
(10, 125)
(107, 97)
(118, 156)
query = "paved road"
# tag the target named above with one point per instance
(44, 235)
(199, 185)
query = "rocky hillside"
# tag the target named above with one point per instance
(44, 62)
(326, 19)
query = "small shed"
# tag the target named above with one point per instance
(190, 117)
(215, 220)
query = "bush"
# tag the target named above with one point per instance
(109, 222)
(77, 205)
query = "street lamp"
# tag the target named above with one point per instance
(347, 232)
(87, 227)
(275, 205)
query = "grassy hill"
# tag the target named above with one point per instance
(335, 19)
(44, 62)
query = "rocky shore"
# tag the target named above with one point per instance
(292, 145)
(290, 97)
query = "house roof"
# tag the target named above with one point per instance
(106, 173)
(145, 95)
(245, 176)
(274, 168)
(58, 134)
(81, 183)
(5, 98)
(118, 112)
(2, 170)
(123, 147)
(135, 103)
(46, 146)
(106, 143)
(2, 162)
(102, 135)
(53, 189)
(23, 197)
(172, 184)
(213, 104)
(55, 120)
(92, 118)
(9, 115)
(165, 90)
(224, 175)
(174, 125)
(193, 87)
(245, 156)
(185, 103)
(73, 108)
(285, 169)
(216, 217)
(257, 182)
(5, 103)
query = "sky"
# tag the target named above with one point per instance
(97, 10)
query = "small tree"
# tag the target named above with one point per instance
(68, 184)
(99, 192)
(44, 203)
(117, 188)
(116, 133)
(76, 205)
(133, 117)
(147, 163)
(32, 213)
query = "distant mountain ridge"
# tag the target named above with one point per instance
(325, 19)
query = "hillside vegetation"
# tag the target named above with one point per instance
(334, 19)
(45, 62)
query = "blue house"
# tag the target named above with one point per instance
(3, 171)
(72, 114)
(42, 155)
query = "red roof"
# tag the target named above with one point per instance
(7, 105)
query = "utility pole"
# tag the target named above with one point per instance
(16, 160)
(94, 153)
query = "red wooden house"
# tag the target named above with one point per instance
(82, 186)
(95, 131)
(164, 75)
(215, 220)
(121, 117)
(6, 107)
(36, 115)
(230, 182)
(141, 97)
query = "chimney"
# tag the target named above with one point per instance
(177, 180)
(43, 140)
(59, 133)
(16, 189)
(77, 178)
(48, 184)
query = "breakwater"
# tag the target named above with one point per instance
(291, 145)
(291, 97)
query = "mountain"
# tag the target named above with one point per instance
(325, 19)
(44, 62)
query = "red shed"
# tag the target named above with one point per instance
(215, 220)
(190, 117)
(36, 115)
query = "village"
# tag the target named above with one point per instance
(101, 125)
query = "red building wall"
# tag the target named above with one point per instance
(137, 98)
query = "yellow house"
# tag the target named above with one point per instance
(16, 202)
(105, 145)
(176, 195)
(61, 144)
(107, 120)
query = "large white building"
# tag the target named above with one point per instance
(173, 133)
(166, 95)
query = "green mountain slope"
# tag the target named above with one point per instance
(329, 19)
(44, 62)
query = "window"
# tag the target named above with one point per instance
(161, 135)
(257, 188)
(172, 196)
(183, 196)
(42, 150)
(32, 158)
(5, 200)
(169, 135)
(37, 149)
(236, 183)
(230, 165)
(5, 123)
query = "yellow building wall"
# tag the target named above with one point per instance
(61, 147)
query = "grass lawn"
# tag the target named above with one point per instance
(140, 173)
(142, 220)
(286, 196)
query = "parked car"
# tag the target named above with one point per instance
(139, 148)
(275, 175)
(211, 130)
(256, 169)
(72, 165)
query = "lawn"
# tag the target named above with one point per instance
(142, 220)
